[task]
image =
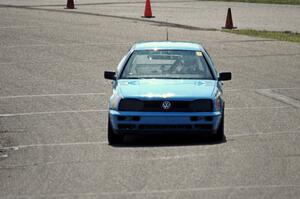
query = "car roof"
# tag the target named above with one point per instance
(167, 45)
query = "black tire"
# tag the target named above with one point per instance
(220, 136)
(112, 137)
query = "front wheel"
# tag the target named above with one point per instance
(112, 137)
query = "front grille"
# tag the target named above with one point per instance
(176, 106)
(165, 127)
(201, 105)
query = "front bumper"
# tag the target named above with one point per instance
(131, 122)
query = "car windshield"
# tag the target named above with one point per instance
(166, 64)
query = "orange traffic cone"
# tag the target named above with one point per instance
(229, 23)
(70, 4)
(148, 11)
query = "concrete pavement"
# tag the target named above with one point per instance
(53, 103)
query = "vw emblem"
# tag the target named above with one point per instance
(166, 105)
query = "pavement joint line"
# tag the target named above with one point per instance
(105, 110)
(151, 22)
(279, 97)
(50, 95)
(160, 191)
(264, 133)
(261, 55)
(64, 44)
(243, 40)
(102, 3)
(257, 89)
(257, 107)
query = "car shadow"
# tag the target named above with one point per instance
(168, 140)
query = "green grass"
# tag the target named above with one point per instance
(282, 36)
(291, 2)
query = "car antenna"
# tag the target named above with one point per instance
(167, 34)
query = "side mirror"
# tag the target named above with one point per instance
(109, 75)
(225, 76)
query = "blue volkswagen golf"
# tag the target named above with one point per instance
(166, 87)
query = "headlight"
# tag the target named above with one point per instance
(218, 102)
(114, 101)
(130, 105)
(202, 105)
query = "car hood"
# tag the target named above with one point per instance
(166, 88)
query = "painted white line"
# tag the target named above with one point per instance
(151, 158)
(158, 191)
(6, 27)
(15, 148)
(279, 97)
(50, 95)
(53, 62)
(3, 155)
(163, 158)
(50, 112)
(106, 110)
(83, 94)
